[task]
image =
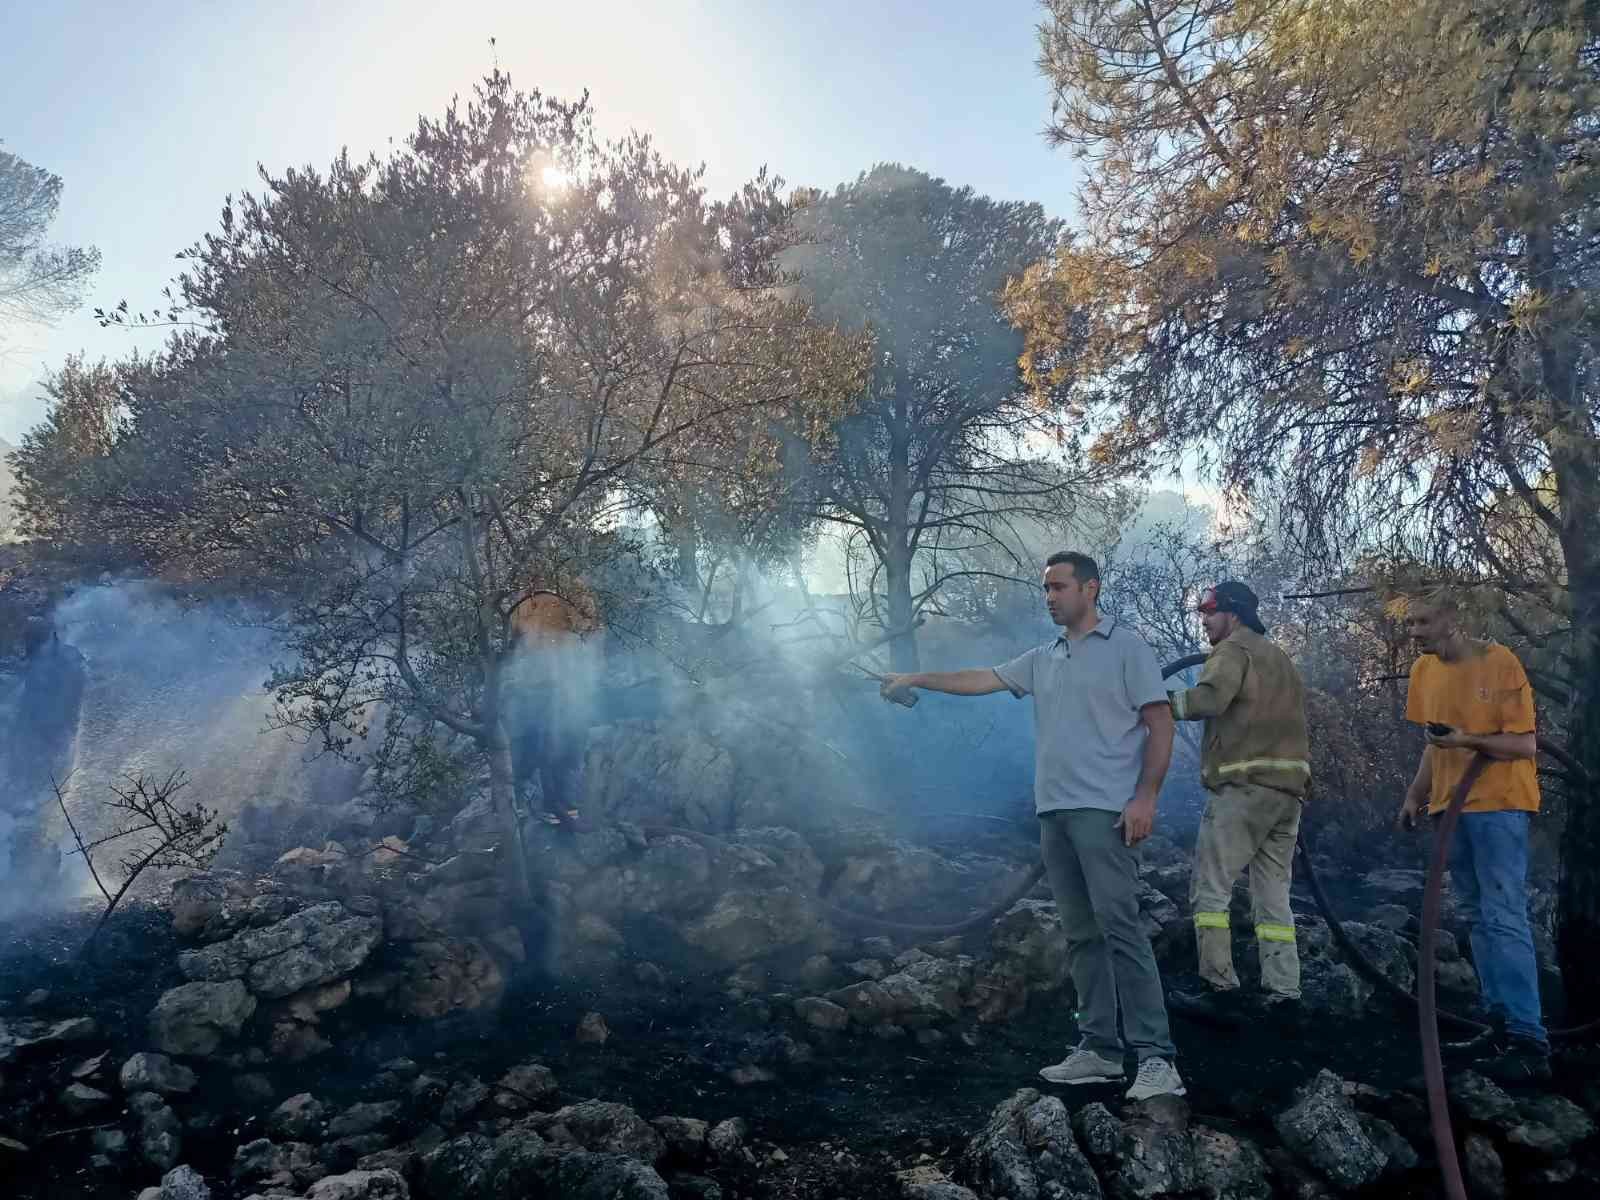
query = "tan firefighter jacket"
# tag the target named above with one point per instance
(1253, 703)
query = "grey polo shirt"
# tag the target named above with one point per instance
(1088, 739)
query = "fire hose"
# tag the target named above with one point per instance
(1444, 1139)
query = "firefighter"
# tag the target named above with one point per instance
(1255, 763)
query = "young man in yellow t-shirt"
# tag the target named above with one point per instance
(1474, 699)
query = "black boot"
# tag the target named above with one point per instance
(1284, 1014)
(1521, 1063)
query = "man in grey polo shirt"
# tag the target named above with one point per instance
(1103, 733)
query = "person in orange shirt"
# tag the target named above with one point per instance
(1473, 698)
(551, 683)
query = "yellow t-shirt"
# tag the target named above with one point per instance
(1486, 692)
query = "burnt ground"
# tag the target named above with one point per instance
(836, 1126)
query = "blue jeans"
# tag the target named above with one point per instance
(1488, 870)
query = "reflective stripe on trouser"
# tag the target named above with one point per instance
(1247, 826)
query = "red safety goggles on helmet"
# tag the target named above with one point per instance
(1208, 602)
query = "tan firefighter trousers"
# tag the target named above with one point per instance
(1247, 826)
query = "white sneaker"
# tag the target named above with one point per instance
(1084, 1065)
(1157, 1077)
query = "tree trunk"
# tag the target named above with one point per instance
(903, 654)
(1575, 463)
(502, 792)
(1579, 929)
(897, 532)
(684, 543)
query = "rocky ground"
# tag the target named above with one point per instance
(687, 1021)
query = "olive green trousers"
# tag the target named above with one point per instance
(1247, 826)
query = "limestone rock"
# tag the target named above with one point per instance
(899, 877)
(1324, 1129)
(201, 899)
(1457, 976)
(745, 925)
(193, 1018)
(159, 1142)
(315, 946)
(685, 1137)
(147, 1072)
(361, 1185)
(283, 1165)
(1228, 1168)
(1159, 914)
(912, 1001)
(1000, 990)
(183, 1183)
(299, 1118)
(522, 1086)
(1389, 952)
(817, 972)
(33, 1035)
(1396, 918)
(1155, 1153)
(1481, 1099)
(1402, 1156)
(1551, 1126)
(79, 1099)
(254, 1090)
(1485, 1173)
(949, 980)
(866, 1002)
(1098, 1131)
(821, 1014)
(673, 877)
(672, 773)
(460, 1169)
(1333, 988)
(1029, 937)
(725, 1141)
(361, 1119)
(90, 1067)
(598, 1125)
(1028, 1152)
(438, 977)
(592, 1030)
(578, 1175)
(309, 1005)
(462, 1100)
(1295, 1182)
(930, 1183)
(292, 1041)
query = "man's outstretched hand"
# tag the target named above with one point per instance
(897, 688)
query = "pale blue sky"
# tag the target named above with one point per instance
(153, 113)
